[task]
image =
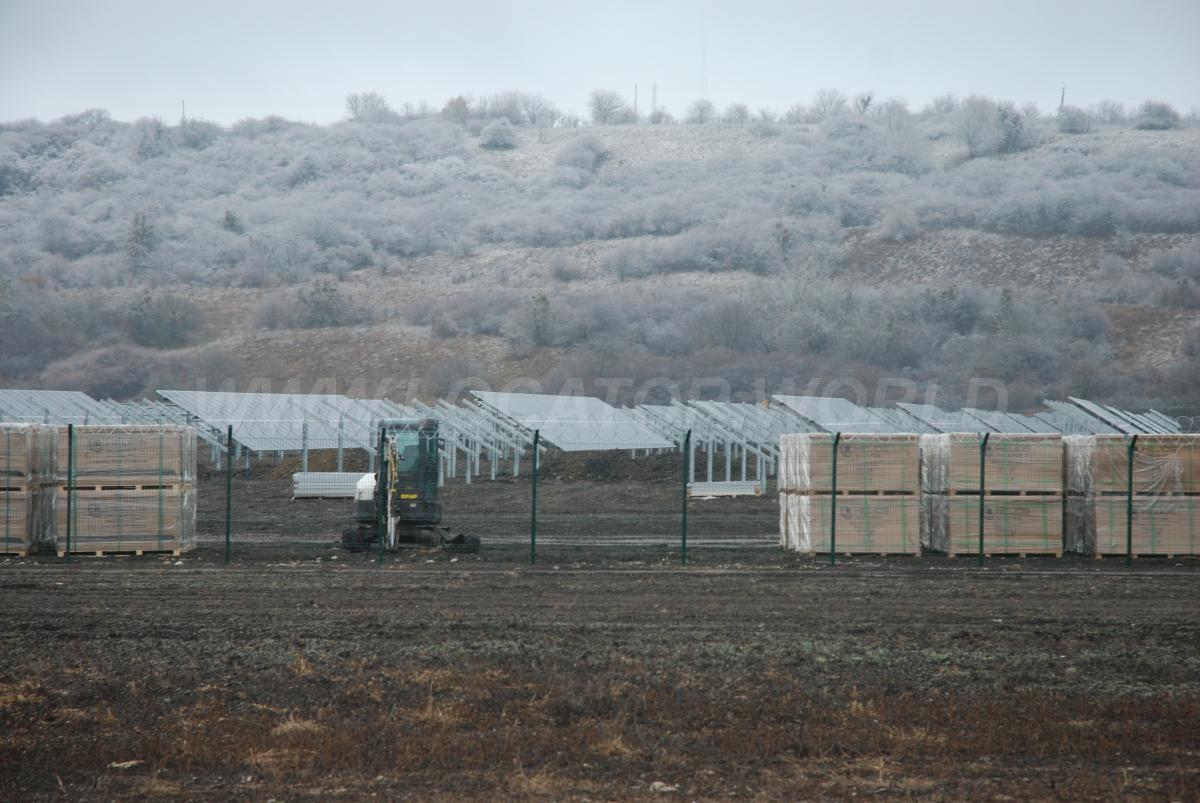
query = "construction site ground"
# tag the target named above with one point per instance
(312, 674)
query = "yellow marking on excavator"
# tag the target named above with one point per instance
(408, 496)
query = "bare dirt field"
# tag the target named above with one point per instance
(606, 677)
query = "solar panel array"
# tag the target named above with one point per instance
(286, 422)
(500, 426)
(574, 423)
(60, 407)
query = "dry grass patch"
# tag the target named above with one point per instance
(297, 727)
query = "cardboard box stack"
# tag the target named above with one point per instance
(129, 489)
(21, 470)
(1022, 495)
(877, 500)
(1165, 504)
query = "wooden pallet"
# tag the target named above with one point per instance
(1145, 494)
(1002, 492)
(100, 553)
(840, 492)
(1027, 554)
(1136, 555)
(874, 554)
(91, 488)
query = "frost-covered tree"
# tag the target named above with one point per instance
(977, 125)
(736, 113)
(608, 107)
(369, 107)
(140, 243)
(456, 110)
(701, 112)
(1109, 111)
(538, 111)
(828, 102)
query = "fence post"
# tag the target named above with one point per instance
(381, 497)
(228, 492)
(982, 473)
(1129, 503)
(70, 485)
(687, 448)
(837, 437)
(537, 437)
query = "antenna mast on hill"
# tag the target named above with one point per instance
(183, 111)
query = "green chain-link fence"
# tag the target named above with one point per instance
(91, 490)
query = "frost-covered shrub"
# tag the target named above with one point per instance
(583, 153)
(899, 223)
(1074, 120)
(1156, 116)
(498, 135)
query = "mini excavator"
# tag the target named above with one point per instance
(404, 509)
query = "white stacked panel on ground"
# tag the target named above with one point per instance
(877, 499)
(1022, 493)
(131, 489)
(1165, 509)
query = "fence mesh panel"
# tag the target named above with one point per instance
(97, 490)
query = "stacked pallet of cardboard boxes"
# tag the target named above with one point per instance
(1165, 500)
(124, 489)
(877, 498)
(1022, 493)
(22, 466)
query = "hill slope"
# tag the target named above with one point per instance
(404, 258)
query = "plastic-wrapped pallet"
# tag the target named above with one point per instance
(878, 493)
(131, 489)
(127, 455)
(23, 465)
(159, 520)
(1013, 463)
(16, 455)
(1162, 464)
(1022, 502)
(1163, 515)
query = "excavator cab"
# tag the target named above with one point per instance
(404, 507)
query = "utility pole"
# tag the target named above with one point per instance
(182, 111)
(1062, 100)
(635, 102)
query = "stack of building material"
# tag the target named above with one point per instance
(876, 500)
(1165, 502)
(1022, 493)
(21, 468)
(125, 489)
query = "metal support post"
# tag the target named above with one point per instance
(687, 448)
(982, 487)
(837, 437)
(537, 436)
(1129, 503)
(341, 463)
(228, 492)
(70, 485)
(304, 446)
(381, 497)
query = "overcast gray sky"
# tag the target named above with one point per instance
(299, 58)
